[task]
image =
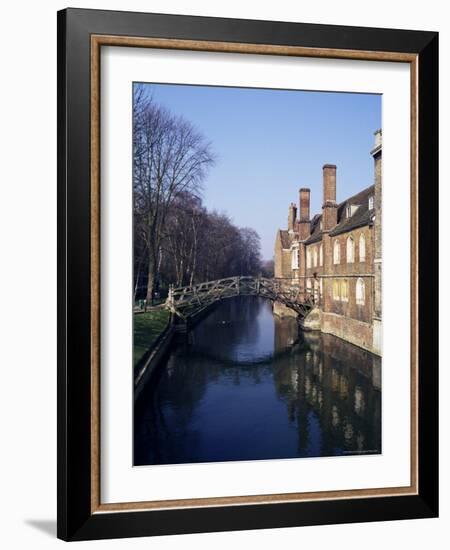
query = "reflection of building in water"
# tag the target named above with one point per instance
(286, 332)
(336, 255)
(288, 395)
(338, 384)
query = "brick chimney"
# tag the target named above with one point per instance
(329, 208)
(292, 217)
(304, 221)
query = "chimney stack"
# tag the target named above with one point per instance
(304, 222)
(329, 208)
(304, 204)
(292, 217)
(378, 140)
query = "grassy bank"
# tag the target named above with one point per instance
(147, 327)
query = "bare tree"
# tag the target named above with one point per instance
(176, 240)
(250, 255)
(170, 157)
(268, 268)
(198, 245)
(183, 233)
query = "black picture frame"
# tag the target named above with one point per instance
(75, 518)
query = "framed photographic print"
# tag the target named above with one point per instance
(247, 274)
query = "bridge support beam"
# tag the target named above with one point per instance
(188, 302)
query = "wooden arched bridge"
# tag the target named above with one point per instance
(188, 301)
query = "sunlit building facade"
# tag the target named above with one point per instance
(335, 256)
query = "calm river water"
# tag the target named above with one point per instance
(245, 385)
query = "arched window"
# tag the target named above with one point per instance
(320, 255)
(336, 294)
(360, 292)
(308, 257)
(336, 253)
(315, 256)
(362, 248)
(344, 290)
(350, 250)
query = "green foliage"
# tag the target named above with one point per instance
(147, 327)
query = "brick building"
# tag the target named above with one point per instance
(336, 256)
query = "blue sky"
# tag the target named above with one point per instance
(269, 143)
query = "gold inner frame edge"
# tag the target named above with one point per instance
(97, 41)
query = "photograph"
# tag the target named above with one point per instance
(247, 262)
(257, 274)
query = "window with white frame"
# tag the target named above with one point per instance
(362, 248)
(336, 252)
(344, 290)
(308, 285)
(336, 293)
(360, 292)
(371, 202)
(350, 250)
(295, 262)
(351, 209)
(315, 256)
(308, 257)
(320, 255)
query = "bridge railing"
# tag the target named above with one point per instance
(183, 300)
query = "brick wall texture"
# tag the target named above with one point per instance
(348, 290)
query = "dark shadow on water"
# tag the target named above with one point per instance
(46, 526)
(245, 385)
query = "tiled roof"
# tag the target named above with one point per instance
(315, 230)
(360, 217)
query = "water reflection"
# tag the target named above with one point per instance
(245, 385)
